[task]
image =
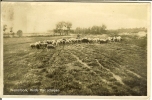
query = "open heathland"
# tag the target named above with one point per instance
(109, 69)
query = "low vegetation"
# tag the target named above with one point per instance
(111, 69)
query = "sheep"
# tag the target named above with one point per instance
(95, 40)
(103, 41)
(37, 45)
(53, 43)
(85, 40)
(114, 39)
(58, 42)
(50, 46)
(72, 40)
(43, 45)
(79, 40)
(63, 41)
(32, 45)
(75, 41)
(68, 41)
(49, 41)
(118, 38)
(109, 39)
(90, 40)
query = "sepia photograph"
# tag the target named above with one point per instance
(75, 49)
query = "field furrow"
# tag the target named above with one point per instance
(110, 69)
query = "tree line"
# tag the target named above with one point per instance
(65, 28)
(9, 32)
(91, 30)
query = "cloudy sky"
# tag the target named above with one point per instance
(40, 17)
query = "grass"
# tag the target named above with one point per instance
(81, 69)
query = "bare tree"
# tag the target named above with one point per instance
(68, 25)
(104, 27)
(63, 27)
(11, 31)
(59, 27)
(4, 28)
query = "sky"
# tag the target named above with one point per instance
(43, 16)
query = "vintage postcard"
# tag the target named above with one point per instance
(75, 49)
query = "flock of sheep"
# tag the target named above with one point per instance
(51, 44)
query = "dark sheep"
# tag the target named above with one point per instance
(37, 46)
(43, 45)
(32, 45)
(103, 41)
(50, 46)
(85, 41)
